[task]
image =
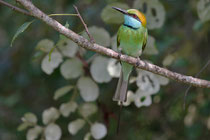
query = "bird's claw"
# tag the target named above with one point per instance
(119, 53)
(138, 61)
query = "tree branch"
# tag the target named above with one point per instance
(17, 9)
(108, 52)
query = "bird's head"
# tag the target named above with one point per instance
(133, 18)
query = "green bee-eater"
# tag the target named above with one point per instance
(131, 40)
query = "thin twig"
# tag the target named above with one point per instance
(187, 90)
(51, 15)
(75, 93)
(85, 64)
(86, 119)
(92, 58)
(17, 9)
(85, 25)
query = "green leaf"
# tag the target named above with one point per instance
(23, 126)
(67, 25)
(51, 51)
(30, 118)
(62, 91)
(21, 29)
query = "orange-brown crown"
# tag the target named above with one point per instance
(140, 16)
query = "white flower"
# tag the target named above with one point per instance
(48, 65)
(62, 91)
(98, 131)
(33, 133)
(45, 45)
(147, 82)
(150, 82)
(67, 47)
(71, 68)
(142, 98)
(98, 69)
(130, 98)
(154, 20)
(50, 115)
(188, 119)
(75, 126)
(87, 136)
(52, 132)
(100, 35)
(208, 123)
(89, 90)
(114, 68)
(203, 10)
(67, 108)
(29, 118)
(87, 109)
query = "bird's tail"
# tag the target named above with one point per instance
(121, 91)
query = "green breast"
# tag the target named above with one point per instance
(131, 40)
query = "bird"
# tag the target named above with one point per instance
(131, 40)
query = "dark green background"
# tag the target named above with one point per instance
(25, 88)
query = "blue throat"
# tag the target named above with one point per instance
(131, 22)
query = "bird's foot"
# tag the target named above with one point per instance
(119, 53)
(138, 61)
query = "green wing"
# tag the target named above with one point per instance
(118, 38)
(145, 40)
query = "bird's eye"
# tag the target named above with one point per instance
(135, 16)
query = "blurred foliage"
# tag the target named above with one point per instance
(71, 95)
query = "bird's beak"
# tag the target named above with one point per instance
(121, 10)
